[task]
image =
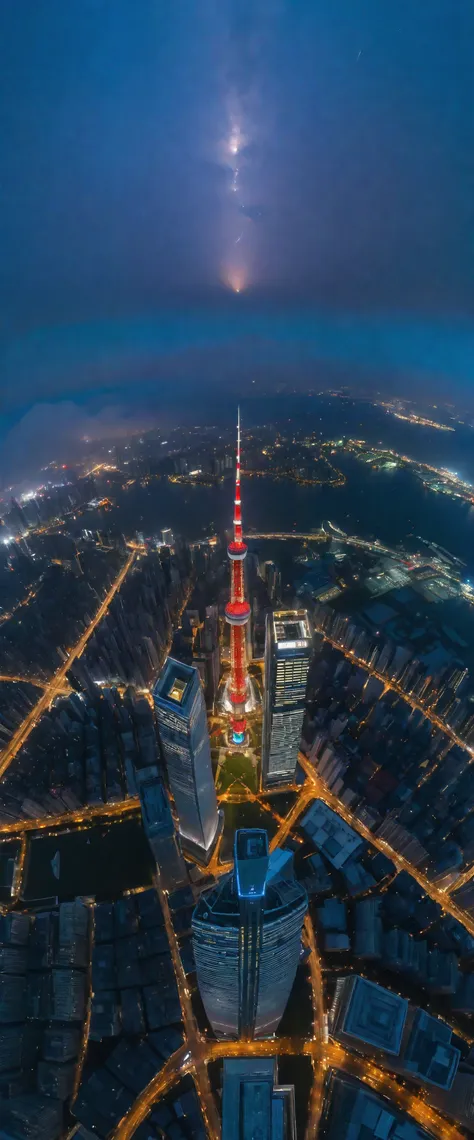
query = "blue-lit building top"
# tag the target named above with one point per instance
(251, 860)
(182, 722)
(247, 942)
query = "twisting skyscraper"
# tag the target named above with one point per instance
(237, 613)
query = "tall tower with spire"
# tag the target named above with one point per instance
(237, 613)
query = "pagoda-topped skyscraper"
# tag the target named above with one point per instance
(237, 613)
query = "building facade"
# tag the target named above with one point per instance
(288, 654)
(247, 942)
(182, 722)
(160, 831)
(253, 1103)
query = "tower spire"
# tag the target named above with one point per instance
(237, 613)
(237, 501)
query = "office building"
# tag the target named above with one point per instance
(280, 864)
(69, 995)
(357, 1113)
(247, 941)
(429, 1055)
(330, 834)
(206, 654)
(253, 1104)
(271, 577)
(288, 653)
(167, 537)
(161, 834)
(367, 1013)
(182, 723)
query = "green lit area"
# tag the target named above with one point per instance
(238, 771)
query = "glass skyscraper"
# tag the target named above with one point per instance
(288, 653)
(182, 722)
(247, 941)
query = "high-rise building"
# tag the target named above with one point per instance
(167, 537)
(182, 723)
(253, 1104)
(271, 577)
(161, 834)
(288, 653)
(237, 613)
(247, 941)
(16, 520)
(206, 654)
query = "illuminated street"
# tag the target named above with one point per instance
(396, 688)
(31, 681)
(90, 813)
(238, 786)
(382, 1083)
(325, 1055)
(319, 1054)
(198, 1051)
(194, 1045)
(321, 792)
(55, 687)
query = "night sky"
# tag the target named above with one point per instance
(201, 194)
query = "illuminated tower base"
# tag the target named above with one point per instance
(237, 614)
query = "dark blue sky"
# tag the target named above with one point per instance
(156, 156)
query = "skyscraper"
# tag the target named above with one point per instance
(288, 653)
(271, 577)
(182, 723)
(253, 1104)
(160, 832)
(206, 654)
(247, 940)
(237, 613)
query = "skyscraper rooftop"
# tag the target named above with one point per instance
(370, 1013)
(292, 629)
(251, 862)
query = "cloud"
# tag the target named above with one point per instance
(120, 356)
(55, 431)
(110, 377)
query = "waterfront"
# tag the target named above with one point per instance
(103, 860)
(390, 505)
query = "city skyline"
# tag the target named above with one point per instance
(236, 570)
(223, 909)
